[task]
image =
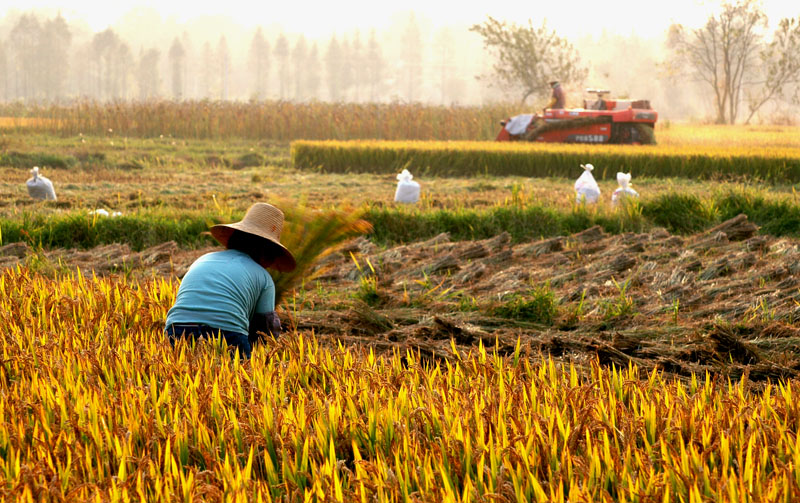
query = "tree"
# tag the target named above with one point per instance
(112, 62)
(333, 66)
(259, 64)
(781, 63)
(445, 48)
(24, 43)
(721, 53)
(177, 59)
(3, 74)
(411, 58)
(206, 73)
(299, 65)
(224, 55)
(356, 66)
(147, 77)
(374, 67)
(54, 51)
(282, 55)
(311, 74)
(527, 58)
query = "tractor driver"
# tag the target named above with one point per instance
(557, 98)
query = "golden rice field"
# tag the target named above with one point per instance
(96, 406)
(25, 123)
(448, 158)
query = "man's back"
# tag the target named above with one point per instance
(558, 95)
(222, 290)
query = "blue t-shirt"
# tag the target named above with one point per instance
(223, 290)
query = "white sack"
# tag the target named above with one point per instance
(518, 124)
(407, 190)
(586, 188)
(40, 187)
(624, 190)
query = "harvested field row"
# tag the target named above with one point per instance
(721, 301)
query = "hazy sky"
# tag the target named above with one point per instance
(316, 18)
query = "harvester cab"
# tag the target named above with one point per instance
(601, 120)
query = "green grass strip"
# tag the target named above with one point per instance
(679, 213)
(544, 160)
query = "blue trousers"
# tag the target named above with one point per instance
(199, 331)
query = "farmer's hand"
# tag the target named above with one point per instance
(266, 323)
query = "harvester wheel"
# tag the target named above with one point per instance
(627, 133)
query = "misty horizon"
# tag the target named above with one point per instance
(145, 56)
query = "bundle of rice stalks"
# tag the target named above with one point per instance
(311, 235)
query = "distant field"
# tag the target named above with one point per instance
(287, 121)
(688, 151)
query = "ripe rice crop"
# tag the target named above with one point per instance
(266, 120)
(439, 158)
(27, 123)
(95, 404)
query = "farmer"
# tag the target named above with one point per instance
(230, 292)
(557, 98)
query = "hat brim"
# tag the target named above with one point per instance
(284, 261)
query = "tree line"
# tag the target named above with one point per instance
(732, 66)
(40, 62)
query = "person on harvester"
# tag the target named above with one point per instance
(557, 98)
(230, 293)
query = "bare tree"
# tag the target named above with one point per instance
(781, 64)
(527, 58)
(722, 53)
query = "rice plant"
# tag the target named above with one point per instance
(96, 405)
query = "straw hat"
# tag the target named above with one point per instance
(264, 221)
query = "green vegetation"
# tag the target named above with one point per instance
(678, 213)
(538, 305)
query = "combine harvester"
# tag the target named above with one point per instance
(600, 120)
